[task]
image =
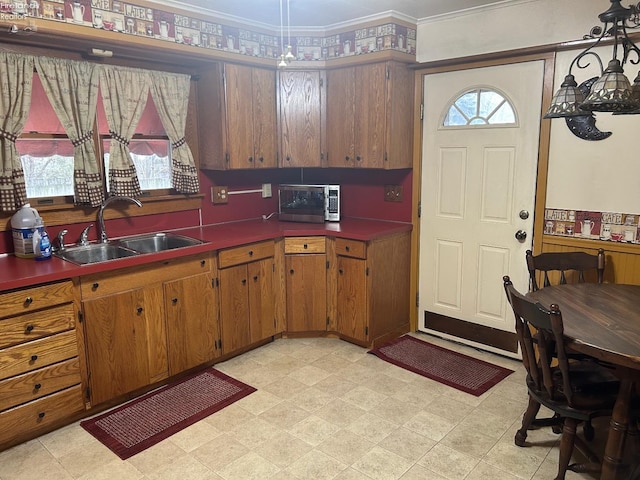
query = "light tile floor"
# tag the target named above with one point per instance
(324, 409)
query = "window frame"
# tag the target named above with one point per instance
(479, 89)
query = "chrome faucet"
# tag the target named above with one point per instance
(103, 230)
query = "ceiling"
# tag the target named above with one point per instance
(322, 13)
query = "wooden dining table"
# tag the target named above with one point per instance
(603, 321)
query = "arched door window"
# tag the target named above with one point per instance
(480, 107)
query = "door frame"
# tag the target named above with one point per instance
(543, 151)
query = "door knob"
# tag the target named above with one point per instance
(523, 214)
(521, 235)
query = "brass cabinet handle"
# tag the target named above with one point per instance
(28, 301)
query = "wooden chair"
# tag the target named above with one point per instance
(575, 391)
(563, 262)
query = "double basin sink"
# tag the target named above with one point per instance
(126, 247)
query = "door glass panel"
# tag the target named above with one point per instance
(480, 107)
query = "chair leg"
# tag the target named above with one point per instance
(532, 410)
(566, 446)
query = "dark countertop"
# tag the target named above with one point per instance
(25, 272)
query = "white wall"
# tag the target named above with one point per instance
(599, 176)
(508, 25)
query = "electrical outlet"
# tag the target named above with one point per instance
(219, 195)
(266, 190)
(392, 193)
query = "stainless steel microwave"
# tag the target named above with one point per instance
(309, 203)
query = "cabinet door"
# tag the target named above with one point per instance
(192, 322)
(239, 112)
(306, 293)
(300, 118)
(234, 308)
(117, 344)
(352, 314)
(370, 127)
(265, 144)
(261, 299)
(341, 116)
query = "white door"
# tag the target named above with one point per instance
(478, 186)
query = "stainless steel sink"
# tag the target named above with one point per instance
(157, 242)
(94, 253)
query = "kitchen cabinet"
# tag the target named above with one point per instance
(247, 295)
(237, 108)
(369, 116)
(300, 102)
(41, 361)
(306, 284)
(130, 315)
(372, 288)
(191, 306)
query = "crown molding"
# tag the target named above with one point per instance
(472, 11)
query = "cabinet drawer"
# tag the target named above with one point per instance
(245, 254)
(33, 385)
(32, 417)
(351, 248)
(30, 299)
(107, 283)
(37, 354)
(304, 245)
(32, 326)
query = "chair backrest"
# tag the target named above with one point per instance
(563, 262)
(542, 344)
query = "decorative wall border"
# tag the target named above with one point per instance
(609, 226)
(131, 19)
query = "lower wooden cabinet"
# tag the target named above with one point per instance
(247, 295)
(306, 284)
(147, 323)
(372, 283)
(41, 361)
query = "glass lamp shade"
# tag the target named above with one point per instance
(635, 94)
(567, 100)
(289, 57)
(283, 63)
(611, 92)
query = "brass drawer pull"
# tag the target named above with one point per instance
(139, 310)
(37, 386)
(41, 415)
(29, 328)
(34, 358)
(28, 301)
(95, 286)
(174, 300)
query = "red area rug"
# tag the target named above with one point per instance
(445, 366)
(143, 422)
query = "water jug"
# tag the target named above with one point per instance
(22, 224)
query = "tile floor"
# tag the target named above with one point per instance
(324, 409)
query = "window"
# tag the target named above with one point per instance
(150, 148)
(47, 153)
(480, 107)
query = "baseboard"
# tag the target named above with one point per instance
(507, 341)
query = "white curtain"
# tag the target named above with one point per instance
(170, 93)
(16, 80)
(124, 93)
(72, 90)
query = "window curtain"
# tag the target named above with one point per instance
(124, 93)
(170, 93)
(72, 89)
(16, 80)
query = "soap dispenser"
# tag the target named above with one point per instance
(41, 242)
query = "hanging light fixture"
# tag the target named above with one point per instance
(285, 58)
(612, 92)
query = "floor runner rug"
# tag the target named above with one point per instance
(445, 366)
(146, 420)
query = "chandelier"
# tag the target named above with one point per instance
(612, 91)
(285, 58)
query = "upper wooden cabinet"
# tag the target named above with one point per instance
(237, 125)
(300, 100)
(369, 116)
